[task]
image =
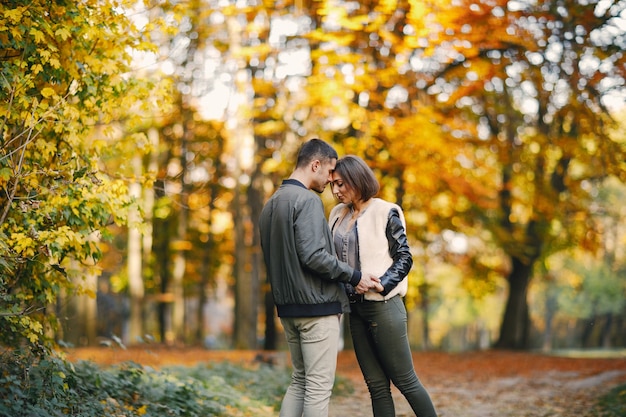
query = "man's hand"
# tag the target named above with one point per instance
(367, 282)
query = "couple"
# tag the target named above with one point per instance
(359, 264)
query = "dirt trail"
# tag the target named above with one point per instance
(496, 384)
(476, 384)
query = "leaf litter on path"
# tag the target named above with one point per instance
(471, 384)
(496, 384)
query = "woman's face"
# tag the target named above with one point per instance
(342, 191)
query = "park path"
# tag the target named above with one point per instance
(495, 384)
(469, 384)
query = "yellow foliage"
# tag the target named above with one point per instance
(14, 15)
(38, 35)
(62, 33)
(34, 329)
(77, 79)
(47, 91)
(353, 22)
(22, 244)
(387, 6)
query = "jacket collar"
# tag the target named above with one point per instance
(290, 181)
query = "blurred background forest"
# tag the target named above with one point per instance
(141, 139)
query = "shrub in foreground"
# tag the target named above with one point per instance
(51, 386)
(612, 404)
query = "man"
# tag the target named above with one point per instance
(305, 277)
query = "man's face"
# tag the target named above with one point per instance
(323, 174)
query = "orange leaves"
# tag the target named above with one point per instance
(470, 28)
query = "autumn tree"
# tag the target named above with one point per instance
(204, 244)
(527, 85)
(588, 289)
(203, 161)
(206, 165)
(176, 164)
(263, 131)
(367, 93)
(357, 84)
(477, 116)
(66, 85)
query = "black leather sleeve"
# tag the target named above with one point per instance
(399, 251)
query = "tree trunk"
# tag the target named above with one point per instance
(589, 326)
(80, 314)
(207, 280)
(550, 310)
(180, 251)
(148, 200)
(90, 309)
(162, 266)
(605, 335)
(514, 330)
(134, 265)
(203, 285)
(255, 205)
(246, 289)
(271, 335)
(246, 280)
(425, 306)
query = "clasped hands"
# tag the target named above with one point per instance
(368, 282)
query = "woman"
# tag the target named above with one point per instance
(369, 234)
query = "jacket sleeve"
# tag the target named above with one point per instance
(399, 251)
(314, 245)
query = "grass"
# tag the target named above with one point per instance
(612, 404)
(589, 353)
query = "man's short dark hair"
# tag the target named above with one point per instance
(315, 149)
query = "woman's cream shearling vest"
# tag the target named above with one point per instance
(373, 245)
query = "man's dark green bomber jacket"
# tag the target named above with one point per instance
(303, 271)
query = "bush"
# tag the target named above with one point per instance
(51, 386)
(262, 382)
(613, 404)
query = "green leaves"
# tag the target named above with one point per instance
(67, 90)
(53, 385)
